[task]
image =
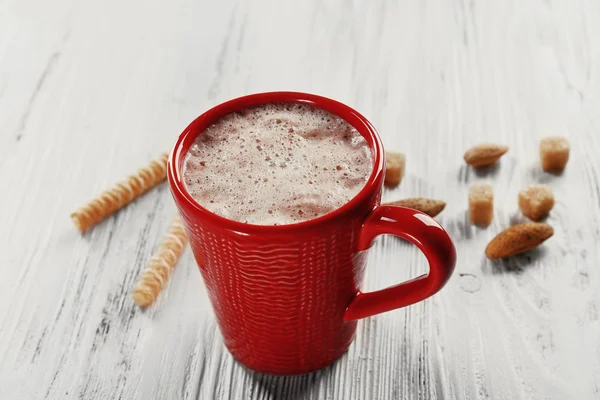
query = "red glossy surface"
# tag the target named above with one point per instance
(428, 236)
(286, 297)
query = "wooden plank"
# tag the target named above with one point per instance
(89, 91)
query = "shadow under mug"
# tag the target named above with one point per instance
(287, 298)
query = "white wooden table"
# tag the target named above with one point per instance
(91, 90)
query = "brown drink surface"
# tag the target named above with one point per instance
(277, 164)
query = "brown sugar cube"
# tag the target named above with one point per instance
(554, 153)
(536, 201)
(481, 204)
(394, 168)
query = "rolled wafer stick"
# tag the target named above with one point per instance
(121, 194)
(163, 261)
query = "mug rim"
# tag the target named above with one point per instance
(198, 125)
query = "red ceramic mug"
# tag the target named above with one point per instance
(287, 298)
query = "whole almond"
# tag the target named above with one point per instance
(428, 206)
(518, 239)
(484, 155)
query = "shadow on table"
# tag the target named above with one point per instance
(541, 176)
(399, 369)
(488, 172)
(514, 264)
(288, 387)
(465, 171)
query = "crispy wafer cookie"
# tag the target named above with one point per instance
(121, 194)
(163, 261)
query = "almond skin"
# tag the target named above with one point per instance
(484, 155)
(518, 239)
(428, 206)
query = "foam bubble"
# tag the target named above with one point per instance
(315, 161)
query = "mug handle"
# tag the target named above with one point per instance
(419, 229)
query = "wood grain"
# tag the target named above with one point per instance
(91, 90)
